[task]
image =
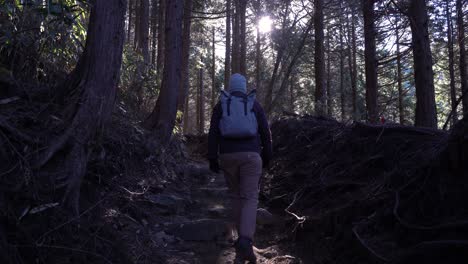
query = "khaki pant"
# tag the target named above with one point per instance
(242, 171)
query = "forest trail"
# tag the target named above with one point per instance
(198, 233)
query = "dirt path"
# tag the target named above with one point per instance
(194, 230)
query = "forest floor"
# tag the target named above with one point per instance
(192, 227)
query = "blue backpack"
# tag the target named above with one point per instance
(238, 119)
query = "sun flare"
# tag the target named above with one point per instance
(264, 24)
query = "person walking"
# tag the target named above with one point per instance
(240, 138)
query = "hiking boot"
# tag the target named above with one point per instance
(244, 251)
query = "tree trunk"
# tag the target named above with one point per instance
(129, 26)
(154, 31)
(268, 98)
(227, 59)
(162, 119)
(186, 112)
(292, 98)
(329, 82)
(353, 65)
(453, 94)
(161, 37)
(258, 53)
(201, 103)
(319, 62)
(401, 108)
(235, 56)
(96, 77)
(461, 46)
(213, 68)
(342, 71)
(370, 61)
(298, 51)
(143, 32)
(186, 41)
(137, 23)
(426, 115)
(242, 40)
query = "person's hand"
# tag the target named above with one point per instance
(214, 165)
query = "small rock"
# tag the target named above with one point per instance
(199, 230)
(170, 202)
(217, 211)
(264, 217)
(161, 238)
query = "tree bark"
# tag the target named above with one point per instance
(453, 94)
(370, 61)
(137, 23)
(162, 119)
(342, 71)
(186, 41)
(186, 113)
(242, 40)
(129, 26)
(462, 61)
(161, 38)
(154, 31)
(329, 82)
(143, 32)
(353, 65)
(235, 55)
(95, 77)
(292, 98)
(213, 67)
(426, 115)
(201, 103)
(227, 59)
(319, 62)
(258, 53)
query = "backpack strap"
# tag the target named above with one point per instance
(229, 99)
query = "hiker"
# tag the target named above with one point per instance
(240, 134)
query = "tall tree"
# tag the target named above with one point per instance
(129, 25)
(227, 60)
(154, 31)
(319, 62)
(453, 94)
(258, 51)
(186, 41)
(289, 68)
(352, 60)
(329, 82)
(201, 102)
(235, 48)
(213, 67)
(370, 60)
(426, 115)
(161, 37)
(162, 119)
(242, 37)
(462, 50)
(95, 78)
(342, 72)
(143, 32)
(137, 23)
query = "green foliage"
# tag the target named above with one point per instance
(138, 89)
(40, 40)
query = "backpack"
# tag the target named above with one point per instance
(238, 119)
